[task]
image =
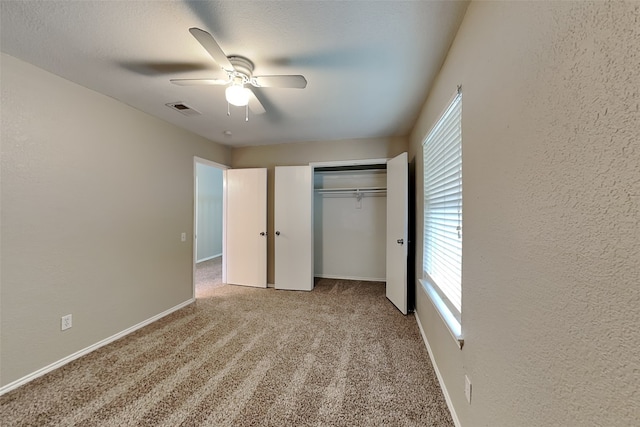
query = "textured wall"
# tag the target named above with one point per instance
(95, 195)
(551, 258)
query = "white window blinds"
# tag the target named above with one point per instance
(442, 255)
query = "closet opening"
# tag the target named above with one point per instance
(350, 221)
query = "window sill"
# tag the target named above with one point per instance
(453, 325)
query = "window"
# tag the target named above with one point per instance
(442, 254)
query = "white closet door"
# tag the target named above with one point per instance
(293, 202)
(246, 227)
(397, 230)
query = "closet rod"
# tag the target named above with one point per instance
(352, 190)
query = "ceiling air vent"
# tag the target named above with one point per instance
(183, 108)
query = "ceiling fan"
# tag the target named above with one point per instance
(239, 76)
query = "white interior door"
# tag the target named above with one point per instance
(293, 201)
(397, 230)
(246, 227)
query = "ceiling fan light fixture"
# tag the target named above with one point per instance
(239, 76)
(237, 95)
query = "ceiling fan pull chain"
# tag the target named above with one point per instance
(228, 111)
(246, 114)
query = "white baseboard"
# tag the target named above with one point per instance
(447, 398)
(208, 258)
(364, 279)
(55, 365)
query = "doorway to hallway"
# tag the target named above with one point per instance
(208, 227)
(208, 276)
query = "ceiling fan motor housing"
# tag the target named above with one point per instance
(239, 75)
(243, 68)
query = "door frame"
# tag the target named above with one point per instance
(335, 163)
(199, 160)
(364, 162)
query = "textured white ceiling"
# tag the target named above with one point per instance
(369, 64)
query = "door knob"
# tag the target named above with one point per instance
(262, 233)
(277, 233)
(400, 241)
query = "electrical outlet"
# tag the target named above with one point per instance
(65, 322)
(183, 237)
(467, 388)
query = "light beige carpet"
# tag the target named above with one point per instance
(208, 276)
(340, 355)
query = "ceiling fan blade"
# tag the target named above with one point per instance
(199, 82)
(210, 45)
(255, 105)
(296, 82)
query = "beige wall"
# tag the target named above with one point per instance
(551, 165)
(295, 154)
(94, 197)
